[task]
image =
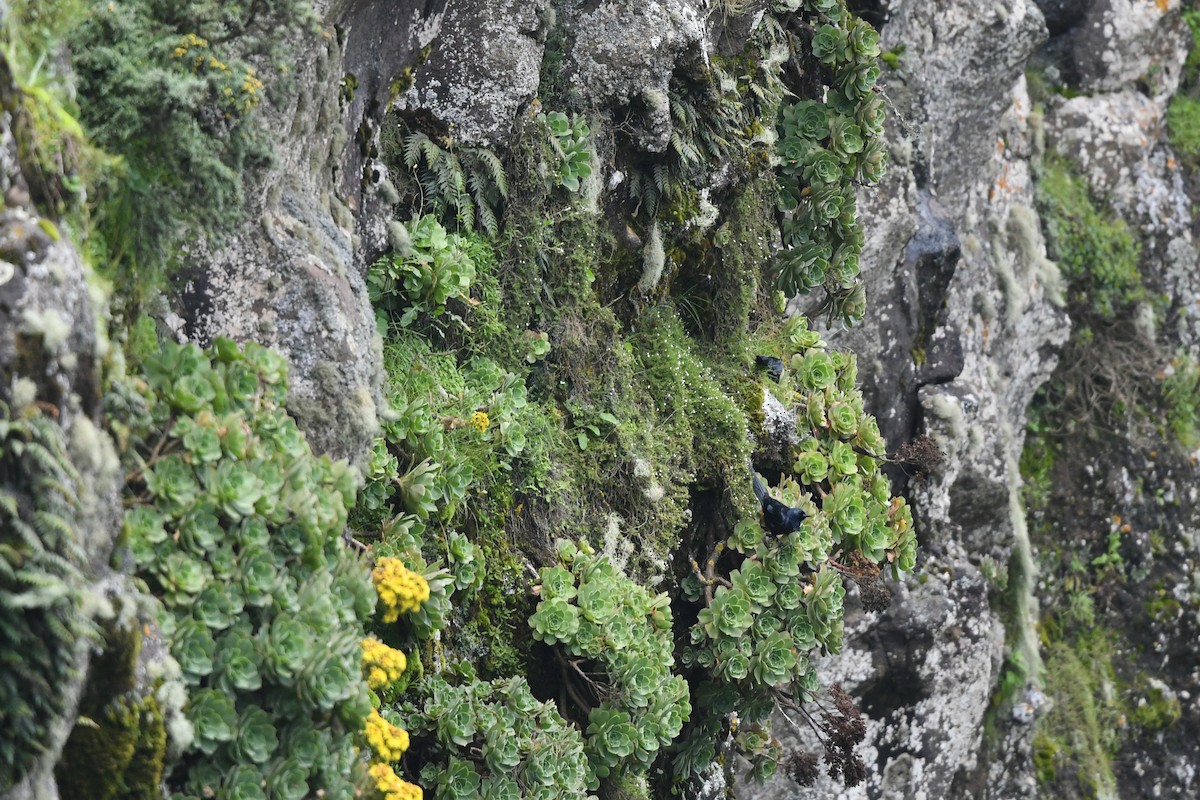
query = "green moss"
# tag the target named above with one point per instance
(690, 399)
(143, 775)
(1181, 398)
(1097, 252)
(118, 746)
(98, 752)
(1156, 708)
(1183, 125)
(1045, 753)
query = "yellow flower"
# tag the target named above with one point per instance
(386, 741)
(400, 590)
(391, 786)
(480, 421)
(384, 665)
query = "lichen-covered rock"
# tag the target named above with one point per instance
(51, 344)
(293, 276)
(1113, 140)
(953, 85)
(967, 327)
(923, 674)
(484, 65)
(624, 53)
(1109, 45)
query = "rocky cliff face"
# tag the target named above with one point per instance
(968, 323)
(967, 319)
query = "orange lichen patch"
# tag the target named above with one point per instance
(1002, 183)
(1162, 5)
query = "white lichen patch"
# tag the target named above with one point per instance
(653, 260)
(50, 324)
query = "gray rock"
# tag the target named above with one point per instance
(484, 66)
(961, 60)
(293, 276)
(624, 54)
(50, 347)
(1114, 44)
(964, 322)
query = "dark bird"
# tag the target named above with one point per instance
(773, 366)
(778, 517)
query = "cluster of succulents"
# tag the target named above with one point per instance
(767, 603)
(826, 146)
(613, 641)
(237, 531)
(496, 740)
(41, 585)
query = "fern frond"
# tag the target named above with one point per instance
(495, 170)
(487, 218)
(8, 504)
(662, 177)
(434, 155)
(412, 149)
(49, 462)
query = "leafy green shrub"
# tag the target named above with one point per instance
(171, 88)
(569, 136)
(237, 530)
(496, 740)
(768, 602)
(405, 286)
(42, 587)
(621, 652)
(825, 148)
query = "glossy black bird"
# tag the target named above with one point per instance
(773, 366)
(778, 517)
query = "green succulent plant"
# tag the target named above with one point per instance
(405, 286)
(496, 740)
(240, 540)
(824, 148)
(766, 603)
(570, 138)
(596, 615)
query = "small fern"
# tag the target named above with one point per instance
(463, 187)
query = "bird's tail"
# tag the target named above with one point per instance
(760, 488)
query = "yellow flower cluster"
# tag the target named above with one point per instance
(391, 786)
(251, 87)
(400, 590)
(384, 665)
(187, 43)
(387, 741)
(480, 421)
